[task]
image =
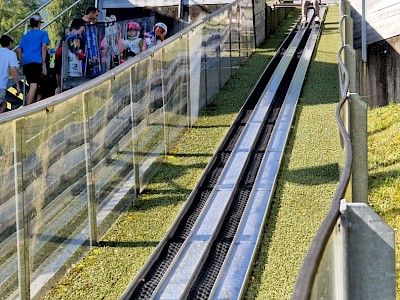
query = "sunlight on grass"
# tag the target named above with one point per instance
(384, 170)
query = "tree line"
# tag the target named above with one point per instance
(13, 11)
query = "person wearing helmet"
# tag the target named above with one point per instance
(134, 44)
(157, 35)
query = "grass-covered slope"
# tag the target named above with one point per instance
(384, 170)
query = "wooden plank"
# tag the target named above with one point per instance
(380, 17)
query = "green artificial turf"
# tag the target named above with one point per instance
(308, 176)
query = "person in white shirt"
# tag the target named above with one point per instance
(8, 64)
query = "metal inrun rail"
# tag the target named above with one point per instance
(229, 182)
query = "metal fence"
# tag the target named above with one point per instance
(69, 163)
(353, 246)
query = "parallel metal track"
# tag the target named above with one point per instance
(251, 131)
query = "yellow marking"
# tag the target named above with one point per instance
(13, 91)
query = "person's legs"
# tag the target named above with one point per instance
(316, 10)
(304, 9)
(3, 103)
(57, 70)
(3, 107)
(32, 72)
(31, 97)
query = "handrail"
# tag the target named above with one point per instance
(29, 16)
(61, 13)
(305, 280)
(39, 9)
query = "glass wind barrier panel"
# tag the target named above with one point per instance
(246, 28)
(8, 233)
(150, 141)
(225, 46)
(53, 161)
(197, 69)
(212, 56)
(235, 35)
(108, 118)
(175, 84)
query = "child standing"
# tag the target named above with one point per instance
(134, 44)
(157, 35)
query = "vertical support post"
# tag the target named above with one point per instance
(188, 83)
(134, 134)
(164, 112)
(348, 32)
(359, 144)
(22, 228)
(219, 60)
(64, 63)
(24, 87)
(205, 63)
(230, 41)
(102, 11)
(180, 9)
(92, 206)
(364, 32)
(364, 75)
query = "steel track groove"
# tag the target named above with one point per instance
(149, 278)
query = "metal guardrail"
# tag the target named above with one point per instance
(306, 279)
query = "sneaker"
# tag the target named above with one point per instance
(316, 19)
(303, 19)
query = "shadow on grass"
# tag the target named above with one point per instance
(314, 176)
(381, 179)
(167, 186)
(142, 244)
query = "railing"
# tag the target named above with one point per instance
(42, 7)
(69, 163)
(322, 274)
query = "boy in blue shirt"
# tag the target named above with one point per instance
(31, 52)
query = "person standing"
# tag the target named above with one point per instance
(90, 17)
(157, 35)
(134, 44)
(304, 9)
(8, 63)
(32, 52)
(80, 37)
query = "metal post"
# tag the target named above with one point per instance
(92, 207)
(364, 33)
(164, 104)
(180, 9)
(134, 134)
(22, 228)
